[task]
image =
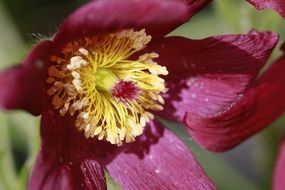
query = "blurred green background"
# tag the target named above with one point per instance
(22, 23)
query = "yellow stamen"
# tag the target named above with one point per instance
(110, 94)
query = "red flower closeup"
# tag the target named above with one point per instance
(98, 83)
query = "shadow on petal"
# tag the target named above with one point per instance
(65, 154)
(157, 160)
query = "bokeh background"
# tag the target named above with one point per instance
(23, 23)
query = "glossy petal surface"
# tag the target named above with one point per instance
(206, 75)
(157, 160)
(97, 17)
(258, 107)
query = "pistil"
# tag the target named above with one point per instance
(105, 79)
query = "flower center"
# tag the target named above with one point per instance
(110, 94)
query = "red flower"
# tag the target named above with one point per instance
(98, 78)
(277, 5)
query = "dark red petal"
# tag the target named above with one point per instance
(261, 104)
(158, 17)
(157, 160)
(277, 5)
(206, 75)
(196, 5)
(279, 173)
(66, 160)
(49, 174)
(21, 86)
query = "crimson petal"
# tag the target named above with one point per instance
(206, 75)
(259, 106)
(279, 173)
(157, 160)
(66, 159)
(196, 5)
(21, 86)
(277, 5)
(158, 17)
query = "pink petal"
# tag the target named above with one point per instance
(157, 160)
(258, 107)
(279, 173)
(206, 75)
(277, 5)
(158, 17)
(66, 160)
(21, 86)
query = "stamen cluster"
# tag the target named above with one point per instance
(110, 95)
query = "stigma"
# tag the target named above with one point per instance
(110, 95)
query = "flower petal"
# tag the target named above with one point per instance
(48, 174)
(66, 159)
(206, 75)
(157, 160)
(259, 106)
(196, 5)
(279, 173)
(277, 5)
(158, 17)
(21, 86)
